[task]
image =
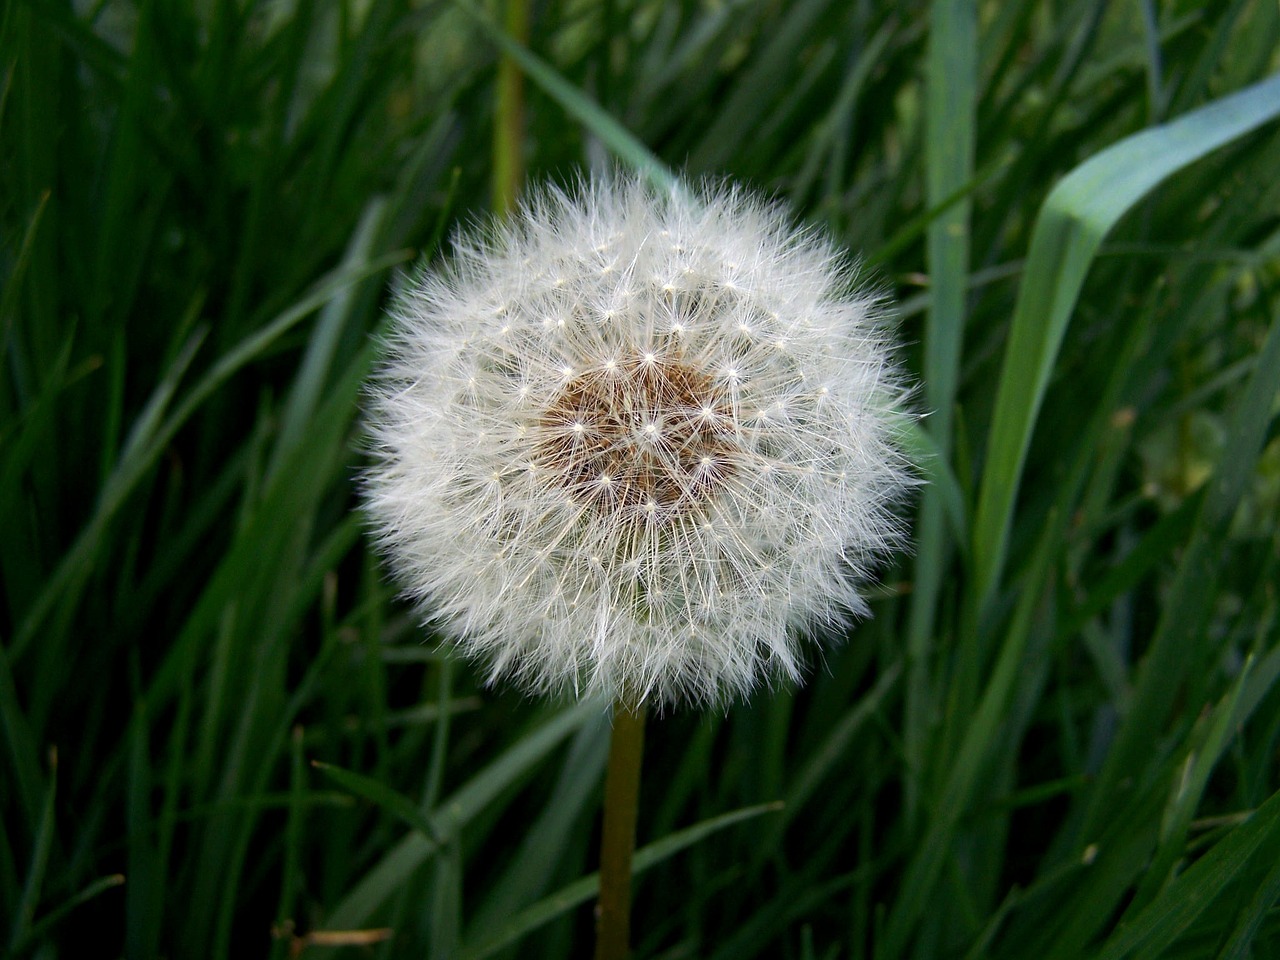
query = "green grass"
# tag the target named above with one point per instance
(222, 735)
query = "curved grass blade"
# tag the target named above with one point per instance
(1077, 215)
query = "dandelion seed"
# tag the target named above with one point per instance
(695, 521)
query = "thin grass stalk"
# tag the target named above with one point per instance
(618, 835)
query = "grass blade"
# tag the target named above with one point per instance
(580, 891)
(625, 146)
(1192, 595)
(146, 447)
(42, 846)
(383, 881)
(376, 792)
(1156, 927)
(58, 913)
(1075, 218)
(951, 91)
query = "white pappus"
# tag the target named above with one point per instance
(633, 443)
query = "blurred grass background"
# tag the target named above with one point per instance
(1056, 739)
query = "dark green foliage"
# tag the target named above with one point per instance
(1056, 738)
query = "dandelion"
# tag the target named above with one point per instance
(635, 444)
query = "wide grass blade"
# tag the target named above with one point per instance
(950, 122)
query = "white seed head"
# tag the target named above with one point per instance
(619, 484)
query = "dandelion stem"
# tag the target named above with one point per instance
(508, 128)
(618, 837)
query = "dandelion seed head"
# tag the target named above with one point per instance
(617, 482)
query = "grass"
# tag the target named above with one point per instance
(222, 735)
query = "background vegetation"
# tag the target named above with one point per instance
(1056, 739)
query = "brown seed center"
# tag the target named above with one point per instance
(648, 436)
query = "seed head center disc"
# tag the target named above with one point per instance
(649, 437)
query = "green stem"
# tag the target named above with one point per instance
(618, 837)
(508, 128)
